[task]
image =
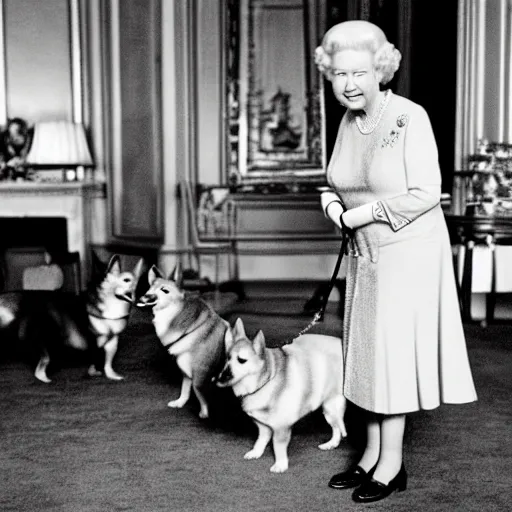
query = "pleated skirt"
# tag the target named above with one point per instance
(403, 339)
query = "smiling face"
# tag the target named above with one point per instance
(355, 82)
(162, 293)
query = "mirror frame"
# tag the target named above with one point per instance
(76, 58)
(253, 156)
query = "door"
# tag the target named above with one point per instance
(135, 133)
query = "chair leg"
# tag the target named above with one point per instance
(217, 272)
(455, 257)
(191, 254)
(198, 263)
(491, 296)
(467, 281)
(237, 285)
(236, 268)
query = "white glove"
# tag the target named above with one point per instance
(327, 197)
(332, 207)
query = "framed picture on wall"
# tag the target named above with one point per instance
(274, 91)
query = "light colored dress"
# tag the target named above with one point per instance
(403, 339)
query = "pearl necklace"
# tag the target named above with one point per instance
(370, 123)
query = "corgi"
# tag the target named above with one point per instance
(109, 299)
(278, 386)
(40, 325)
(44, 323)
(190, 330)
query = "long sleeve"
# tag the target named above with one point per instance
(422, 173)
(423, 181)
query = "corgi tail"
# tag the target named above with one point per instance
(7, 317)
(74, 337)
(9, 308)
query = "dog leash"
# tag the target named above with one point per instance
(346, 235)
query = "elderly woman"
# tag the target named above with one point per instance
(403, 340)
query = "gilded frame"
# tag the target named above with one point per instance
(275, 107)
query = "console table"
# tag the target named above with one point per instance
(268, 223)
(278, 224)
(70, 200)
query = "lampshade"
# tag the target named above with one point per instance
(59, 144)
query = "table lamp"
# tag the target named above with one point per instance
(60, 145)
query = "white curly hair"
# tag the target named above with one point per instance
(358, 35)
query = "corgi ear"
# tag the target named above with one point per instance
(228, 339)
(259, 343)
(153, 274)
(177, 275)
(239, 329)
(114, 265)
(137, 271)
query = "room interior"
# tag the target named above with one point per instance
(173, 92)
(187, 91)
(175, 100)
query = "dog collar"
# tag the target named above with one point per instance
(273, 373)
(257, 389)
(106, 317)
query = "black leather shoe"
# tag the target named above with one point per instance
(351, 478)
(373, 490)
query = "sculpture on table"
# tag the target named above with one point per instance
(490, 186)
(15, 142)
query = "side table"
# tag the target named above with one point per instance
(470, 230)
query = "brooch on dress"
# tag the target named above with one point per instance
(391, 139)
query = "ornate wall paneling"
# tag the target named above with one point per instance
(38, 75)
(274, 108)
(133, 78)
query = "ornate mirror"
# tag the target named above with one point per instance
(274, 92)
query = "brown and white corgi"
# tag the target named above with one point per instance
(190, 330)
(278, 386)
(109, 299)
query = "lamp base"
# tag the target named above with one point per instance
(69, 175)
(61, 174)
(74, 173)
